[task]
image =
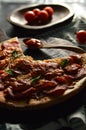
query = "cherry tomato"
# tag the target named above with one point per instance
(81, 36)
(43, 16)
(49, 10)
(36, 11)
(30, 17)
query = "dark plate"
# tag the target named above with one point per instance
(62, 13)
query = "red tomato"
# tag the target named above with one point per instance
(36, 11)
(49, 10)
(43, 16)
(81, 36)
(30, 17)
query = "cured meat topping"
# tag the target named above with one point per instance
(27, 77)
(23, 77)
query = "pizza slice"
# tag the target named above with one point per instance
(9, 50)
(33, 84)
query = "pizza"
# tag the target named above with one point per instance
(33, 84)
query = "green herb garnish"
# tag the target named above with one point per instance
(10, 72)
(33, 80)
(15, 54)
(64, 63)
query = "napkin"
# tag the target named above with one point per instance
(77, 120)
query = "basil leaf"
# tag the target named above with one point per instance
(10, 72)
(15, 54)
(64, 63)
(35, 79)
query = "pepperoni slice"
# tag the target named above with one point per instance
(24, 94)
(57, 91)
(72, 69)
(45, 84)
(75, 59)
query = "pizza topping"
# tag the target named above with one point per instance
(64, 63)
(51, 65)
(20, 86)
(8, 48)
(75, 59)
(3, 55)
(25, 77)
(51, 74)
(45, 85)
(4, 75)
(11, 45)
(1, 72)
(39, 68)
(4, 63)
(34, 80)
(60, 79)
(22, 65)
(9, 92)
(68, 78)
(80, 74)
(57, 91)
(72, 69)
(26, 93)
(15, 54)
(10, 72)
(1, 85)
(64, 79)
